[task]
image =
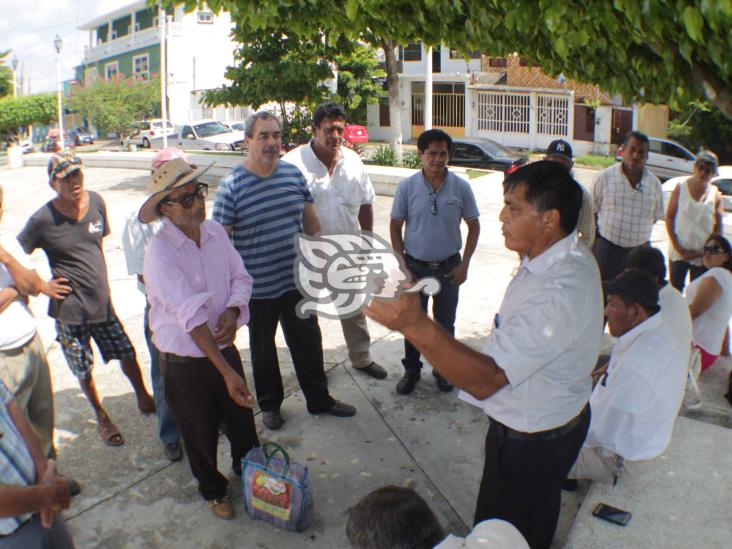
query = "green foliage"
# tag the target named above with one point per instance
(297, 128)
(658, 51)
(701, 125)
(6, 75)
(25, 111)
(116, 105)
(412, 160)
(384, 156)
(594, 160)
(358, 81)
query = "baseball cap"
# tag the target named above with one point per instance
(62, 164)
(636, 285)
(166, 155)
(560, 146)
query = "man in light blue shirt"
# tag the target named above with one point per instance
(425, 229)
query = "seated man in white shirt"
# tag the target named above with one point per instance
(635, 403)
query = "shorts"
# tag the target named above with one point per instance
(75, 340)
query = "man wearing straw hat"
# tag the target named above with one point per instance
(199, 291)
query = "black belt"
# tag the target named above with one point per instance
(507, 432)
(434, 265)
(171, 358)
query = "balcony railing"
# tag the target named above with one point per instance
(132, 41)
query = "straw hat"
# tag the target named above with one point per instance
(165, 180)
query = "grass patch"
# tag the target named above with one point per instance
(472, 174)
(595, 160)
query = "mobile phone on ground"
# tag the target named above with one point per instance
(611, 514)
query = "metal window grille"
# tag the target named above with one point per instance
(504, 112)
(448, 110)
(552, 115)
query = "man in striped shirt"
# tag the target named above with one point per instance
(263, 203)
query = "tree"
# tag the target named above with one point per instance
(658, 51)
(701, 125)
(116, 105)
(359, 81)
(24, 111)
(6, 75)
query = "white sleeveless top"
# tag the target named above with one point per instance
(708, 328)
(694, 220)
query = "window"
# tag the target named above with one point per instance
(186, 132)
(463, 151)
(411, 52)
(497, 62)
(141, 67)
(205, 17)
(457, 54)
(111, 70)
(724, 185)
(670, 149)
(655, 146)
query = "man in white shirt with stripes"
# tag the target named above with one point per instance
(532, 377)
(628, 201)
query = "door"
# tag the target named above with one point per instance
(470, 156)
(187, 138)
(622, 123)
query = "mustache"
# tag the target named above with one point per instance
(271, 149)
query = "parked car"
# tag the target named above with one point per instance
(151, 129)
(356, 134)
(209, 135)
(81, 136)
(667, 159)
(52, 143)
(238, 126)
(723, 181)
(486, 154)
(27, 146)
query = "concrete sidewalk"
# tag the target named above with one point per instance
(134, 497)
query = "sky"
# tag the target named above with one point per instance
(29, 27)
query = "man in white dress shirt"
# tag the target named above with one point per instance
(533, 375)
(635, 403)
(344, 198)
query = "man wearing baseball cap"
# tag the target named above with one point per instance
(135, 239)
(198, 291)
(70, 230)
(560, 151)
(635, 402)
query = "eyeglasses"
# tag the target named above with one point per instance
(433, 203)
(187, 199)
(713, 250)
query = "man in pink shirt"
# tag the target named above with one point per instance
(199, 291)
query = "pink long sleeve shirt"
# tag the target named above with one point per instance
(188, 286)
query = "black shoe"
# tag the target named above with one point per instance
(442, 383)
(173, 451)
(74, 486)
(272, 420)
(570, 485)
(373, 370)
(340, 409)
(407, 383)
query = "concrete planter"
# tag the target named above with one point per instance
(15, 157)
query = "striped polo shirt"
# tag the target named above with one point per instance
(265, 214)
(16, 463)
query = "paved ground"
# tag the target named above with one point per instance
(133, 497)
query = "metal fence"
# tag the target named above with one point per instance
(448, 110)
(504, 112)
(552, 115)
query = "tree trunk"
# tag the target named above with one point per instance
(713, 88)
(395, 112)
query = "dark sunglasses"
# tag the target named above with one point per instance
(187, 199)
(433, 203)
(705, 168)
(713, 250)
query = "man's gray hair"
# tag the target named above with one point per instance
(261, 115)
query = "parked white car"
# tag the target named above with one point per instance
(723, 181)
(667, 158)
(151, 129)
(209, 135)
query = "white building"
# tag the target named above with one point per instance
(127, 41)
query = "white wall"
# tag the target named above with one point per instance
(447, 65)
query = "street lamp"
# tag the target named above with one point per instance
(57, 43)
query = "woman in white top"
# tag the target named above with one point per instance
(710, 299)
(694, 212)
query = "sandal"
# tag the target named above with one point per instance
(221, 508)
(110, 434)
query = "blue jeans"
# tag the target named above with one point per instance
(444, 305)
(167, 429)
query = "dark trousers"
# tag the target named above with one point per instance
(610, 257)
(522, 479)
(305, 342)
(444, 305)
(34, 536)
(678, 270)
(196, 392)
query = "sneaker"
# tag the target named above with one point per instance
(221, 508)
(407, 383)
(272, 420)
(173, 451)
